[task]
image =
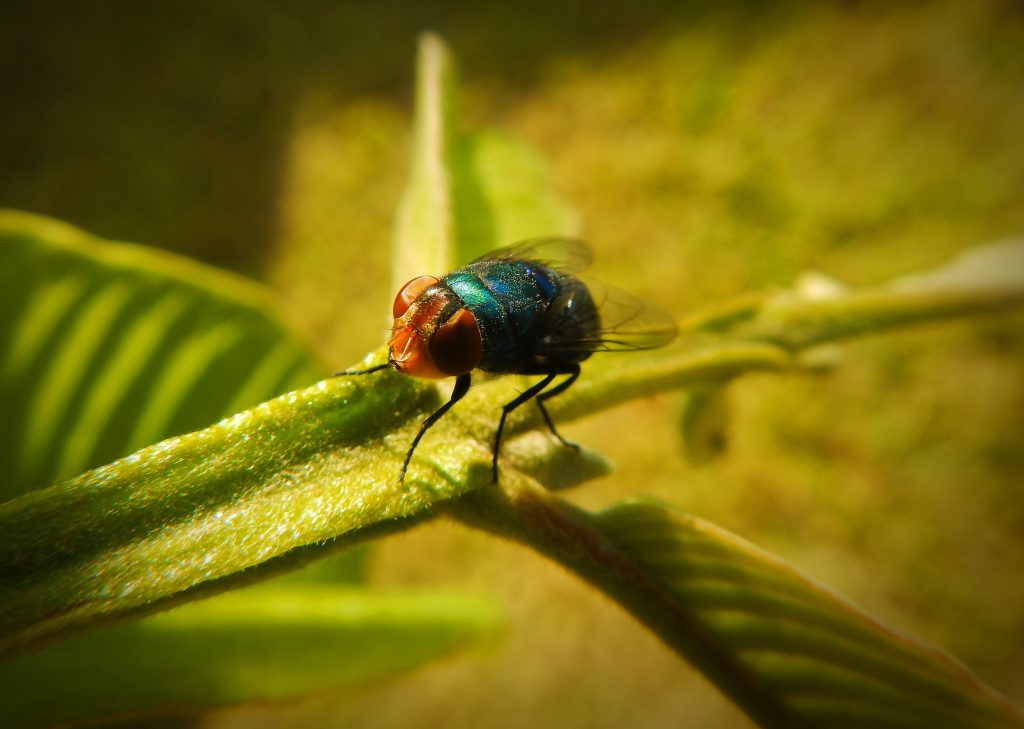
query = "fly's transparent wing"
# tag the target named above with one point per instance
(627, 322)
(565, 255)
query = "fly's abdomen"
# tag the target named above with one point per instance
(572, 330)
(509, 300)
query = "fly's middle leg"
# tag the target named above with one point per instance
(524, 396)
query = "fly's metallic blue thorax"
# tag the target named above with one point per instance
(524, 310)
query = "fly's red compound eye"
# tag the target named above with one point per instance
(455, 346)
(409, 293)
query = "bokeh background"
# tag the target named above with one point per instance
(711, 149)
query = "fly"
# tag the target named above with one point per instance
(517, 310)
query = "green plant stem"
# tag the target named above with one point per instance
(699, 362)
(802, 324)
(768, 338)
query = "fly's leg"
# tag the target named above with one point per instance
(459, 392)
(528, 394)
(367, 371)
(573, 372)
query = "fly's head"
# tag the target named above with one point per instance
(433, 335)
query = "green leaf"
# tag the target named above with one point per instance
(425, 229)
(502, 194)
(705, 424)
(261, 644)
(255, 489)
(788, 651)
(110, 347)
(468, 193)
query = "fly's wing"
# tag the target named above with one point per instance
(627, 322)
(565, 255)
(595, 317)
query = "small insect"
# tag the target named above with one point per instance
(517, 310)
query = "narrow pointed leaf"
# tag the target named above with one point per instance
(263, 644)
(787, 650)
(425, 229)
(263, 487)
(109, 347)
(468, 193)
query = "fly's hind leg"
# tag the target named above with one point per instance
(573, 371)
(524, 396)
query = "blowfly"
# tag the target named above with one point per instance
(517, 310)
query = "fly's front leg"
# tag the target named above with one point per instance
(367, 371)
(461, 388)
(509, 407)
(573, 371)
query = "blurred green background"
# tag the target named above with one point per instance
(711, 148)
